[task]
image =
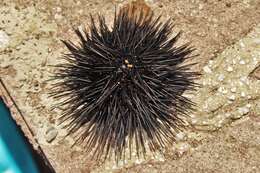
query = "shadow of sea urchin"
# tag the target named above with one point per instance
(122, 87)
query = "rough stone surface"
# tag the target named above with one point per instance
(225, 132)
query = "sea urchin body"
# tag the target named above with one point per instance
(123, 86)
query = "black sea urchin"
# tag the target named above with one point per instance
(123, 86)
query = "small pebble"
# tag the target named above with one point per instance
(219, 123)
(230, 69)
(114, 167)
(221, 77)
(232, 97)
(227, 115)
(137, 161)
(207, 69)
(243, 110)
(201, 6)
(255, 61)
(58, 9)
(57, 16)
(180, 136)
(243, 94)
(80, 11)
(242, 62)
(257, 41)
(234, 62)
(194, 121)
(183, 148)
(244, 80)
(222, 90)
(242, 44)
(51, 134)
(4, 39)
(248, 105)
(233, 90)
(210, 63)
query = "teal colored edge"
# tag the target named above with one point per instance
(15, 156)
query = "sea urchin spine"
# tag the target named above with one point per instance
(122, 87)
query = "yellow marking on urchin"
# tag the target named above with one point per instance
(129, 65)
